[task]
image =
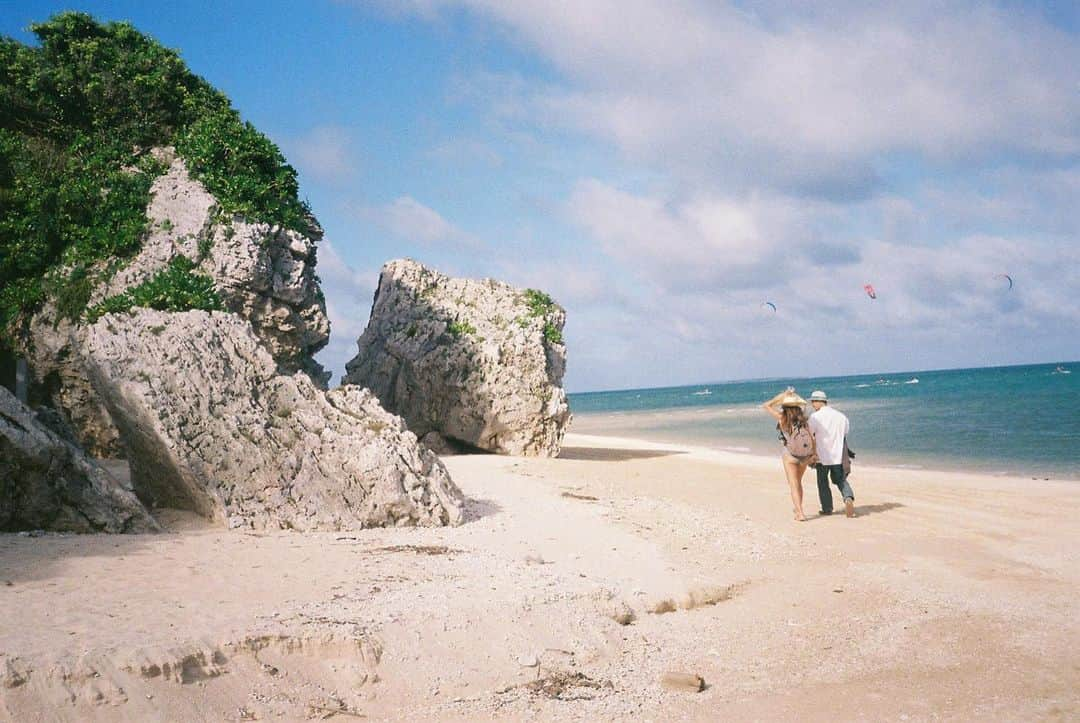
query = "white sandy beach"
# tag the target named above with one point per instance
(950, 596)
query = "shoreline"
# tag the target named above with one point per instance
(754, 447)
(573, 586)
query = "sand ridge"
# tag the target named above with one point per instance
(574, 585)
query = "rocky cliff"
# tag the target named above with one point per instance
(264, 273)
(209, 423)
(479, 362)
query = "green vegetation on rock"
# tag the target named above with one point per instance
(540, 306)
(175, 288)
(457, 328)
(79, 115)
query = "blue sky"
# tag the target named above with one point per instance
(664, 167)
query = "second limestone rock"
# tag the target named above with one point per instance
(478, 362)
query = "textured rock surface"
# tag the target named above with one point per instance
(467, 359)
(52, 347)
(209, 424)
(48, 483)
(263, 273)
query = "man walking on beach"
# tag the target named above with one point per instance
(830, 429)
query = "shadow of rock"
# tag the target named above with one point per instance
(609, 454)
(476, 509)
(26, 557)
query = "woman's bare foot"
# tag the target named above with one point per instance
(849, 508)
(799, 516)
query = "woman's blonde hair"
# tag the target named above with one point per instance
(793, 417)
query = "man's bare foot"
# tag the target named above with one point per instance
(849, 508)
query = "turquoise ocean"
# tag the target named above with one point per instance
(1015, 420)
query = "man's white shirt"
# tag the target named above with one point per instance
(829, 427)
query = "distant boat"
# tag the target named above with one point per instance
(861, 386)
(913, 380)
(702, 393)
(1061, 370)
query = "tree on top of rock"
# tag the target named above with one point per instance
(79, 114)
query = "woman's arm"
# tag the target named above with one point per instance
(770, 406)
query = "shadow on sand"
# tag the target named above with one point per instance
(607, 454)
(860, 510)
(476, 509)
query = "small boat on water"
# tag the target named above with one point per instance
(1061, 370)
(913, 380)
(702, 393)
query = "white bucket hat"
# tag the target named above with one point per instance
(818, 396)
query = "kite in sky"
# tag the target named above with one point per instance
(769, 304)
(869, 289)
(1007, 278)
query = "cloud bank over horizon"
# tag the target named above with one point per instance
(700, 157)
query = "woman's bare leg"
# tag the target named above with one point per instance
(794, 472)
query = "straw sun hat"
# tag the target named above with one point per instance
(792, 400)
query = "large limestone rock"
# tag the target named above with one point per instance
(263, 273)
(48, 483)
(479, 362)
(208, 423)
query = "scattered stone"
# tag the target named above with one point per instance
(565, 686)
(418, 549)
(575, 496)
(709, 595)
(479, 362)
(687, 682)
(660, 607)
(528, 661)
(46, 482)
(210, 425)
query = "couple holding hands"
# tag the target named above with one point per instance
(819, 441)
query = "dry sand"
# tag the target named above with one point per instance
(949, 597)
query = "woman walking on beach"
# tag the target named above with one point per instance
(787, 408)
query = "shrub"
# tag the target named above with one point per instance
(540, 305)
(552, 333)
(175, 288)
(244, 170)
(457, 328)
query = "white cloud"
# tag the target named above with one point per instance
(803, 99)
(706, 240)
(413, 221)
(326, 154)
